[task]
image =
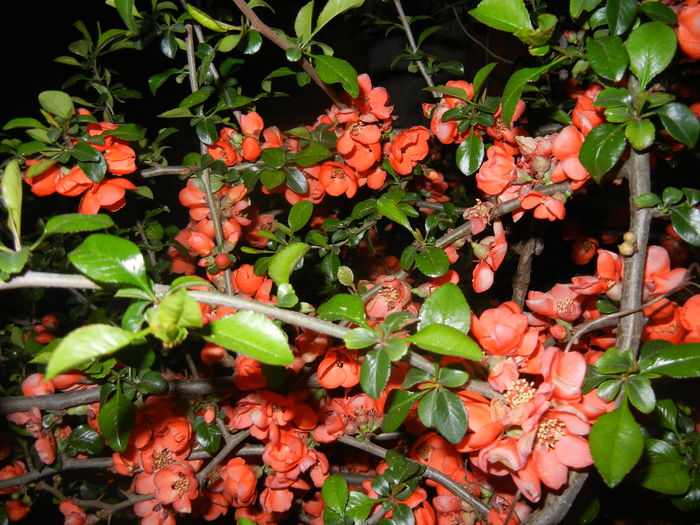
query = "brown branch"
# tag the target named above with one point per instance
(556, 506)
(280, 42)
(479, 506)
(180, 387)
(629, 329)
(526, 251)
(157, 171)
(109, 508)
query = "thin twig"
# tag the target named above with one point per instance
(109, 508)
(479, 506)
(609, 319)
(477, 41)
(144, 239)
(214, 211)
(158, 171)
(411, 41)
(232, 441)
(280, 42)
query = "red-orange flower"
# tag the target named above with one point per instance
(176, 485)
(340, 367)
(239, 482)
(498, 171)
(408, 148)
(109, 194)
(359, 145)
(337, 179)
(688, 29)
(73, 515)
(504, 331)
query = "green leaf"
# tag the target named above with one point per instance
(651, 48)
(616, 443)
(110, 259)
(470, 154)
(125, 8)
(345, 276)
(359, 338)
(450, 91)
(514, 88)
(576, 7)
(169, 320)
(445, 340)
(426, 408)
(84, 152)
(615, 361)
(396, 348)
(251, 334)
(229, 42)
(332, 69)
(450, 416)
(176, 113)
(646, 200)
(274, 157)
(680, 122)
(116, 420)
(432, 261)
(448, 306)
(641, 394)
(481, 76)
(40, 167)
(389, 209)
(299, 215)
(199, 96)
(207, 21)
(691, 501)
(151, 382)
(640, 133)
(602, 149)
(453, 375)
(86, 344)
(14, 262)
(253, 42)
(343, 307)
(296, 180)
(272, 178)
(398, 406)
(398, 320)
(674, 361)
(77, 222)
(686, 222)
(607, 56)
(12, 198)
(95, 171)
(311, 154)
(23, 122)
(620, 15)
(659, 12)
(57, 103)
(282, 264)
(335, 493)
(668, 476)
(85, 439)
(613, 97)
(359, 506)
(374, 373)
(208, 436)
(401, 514)
(334, 8)
(504, 15)
(303, 21)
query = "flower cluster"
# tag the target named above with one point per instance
(71, 181)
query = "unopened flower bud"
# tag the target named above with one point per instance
(626, 249)
(629, 237)
(480, 251)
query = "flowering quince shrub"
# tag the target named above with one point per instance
(351, 333)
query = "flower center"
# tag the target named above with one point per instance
(520, 391)
(424, 451)
(549, 432)
(164, 459)
(391, 296)
(338, 173)
(564, 307)
(355, 128)
(180, 486)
